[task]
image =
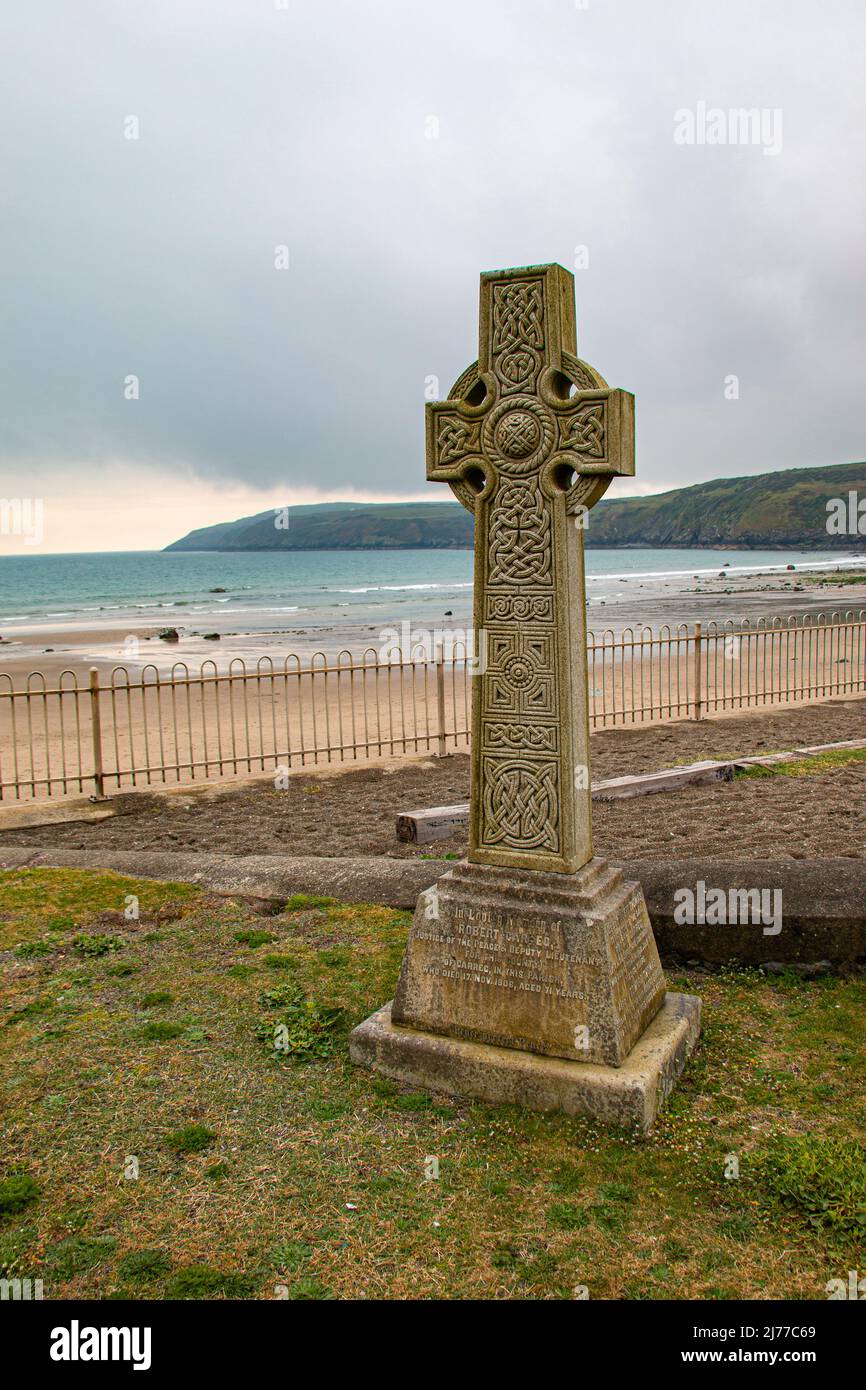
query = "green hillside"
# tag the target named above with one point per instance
(343, 526)
(785, 509)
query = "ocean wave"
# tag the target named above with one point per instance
(606, 576)
(400, 588)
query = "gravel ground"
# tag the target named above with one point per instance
(353, 812)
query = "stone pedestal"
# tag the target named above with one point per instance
(531, 973)
(630, 1095)
(541, 989)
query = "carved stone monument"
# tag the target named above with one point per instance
(531, 973)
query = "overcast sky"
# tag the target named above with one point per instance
(397, 149)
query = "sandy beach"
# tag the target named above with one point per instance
(253, 701)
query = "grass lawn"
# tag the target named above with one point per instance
(810, 766)
(148, 1046)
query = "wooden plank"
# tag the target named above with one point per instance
(438, 822)
(770, 760)
(434, 823)
(671, 779)
(834, 747)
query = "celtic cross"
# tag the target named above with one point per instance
(529, 439)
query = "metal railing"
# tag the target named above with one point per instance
(97, 735)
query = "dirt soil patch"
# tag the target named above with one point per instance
(332, 812)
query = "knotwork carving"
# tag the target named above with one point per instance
(583, 431)
(456, 439)
(517, 333)
(528, 440)
(520, 804)
(518, 309)
(519, 546)
(518, 434)
(536, 738)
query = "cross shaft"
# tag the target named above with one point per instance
(529, 439)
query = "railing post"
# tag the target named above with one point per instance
(699, 694)
(96, 730)
(440, 701)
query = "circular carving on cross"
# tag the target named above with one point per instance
(518, 672)
(518, 434)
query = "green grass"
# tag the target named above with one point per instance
(838, 577)
(823, 1180)
(807, 767)
(143, 1266)
(190, 1139)
(303, 902)
(16, 1193)
(270, 1174)
(255, 938)
(161, 1031)
(95, 943)
(155, 998)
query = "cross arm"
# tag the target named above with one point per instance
(454, 451)
(595, 432)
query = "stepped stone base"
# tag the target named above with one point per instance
(536, 989)
(630, 1095)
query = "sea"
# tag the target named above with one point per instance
(293, 592)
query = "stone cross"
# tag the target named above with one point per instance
(529, 439)
(531, 974)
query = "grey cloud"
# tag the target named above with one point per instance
(307, 126)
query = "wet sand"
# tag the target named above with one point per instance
(653, 603)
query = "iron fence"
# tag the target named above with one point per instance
(95, 734)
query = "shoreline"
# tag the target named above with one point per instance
(615, 603)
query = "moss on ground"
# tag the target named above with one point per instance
(807, 767)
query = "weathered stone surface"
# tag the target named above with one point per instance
(532, 950)
(370, 879)
(559, 964)
(630, 1095)
(823, 910)
(529, 459)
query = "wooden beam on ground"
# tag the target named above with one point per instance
(770, 760)
(670, 779)
(435, 823)
(440, 822)
(854, 743)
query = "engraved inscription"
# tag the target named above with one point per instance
(482, 948)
